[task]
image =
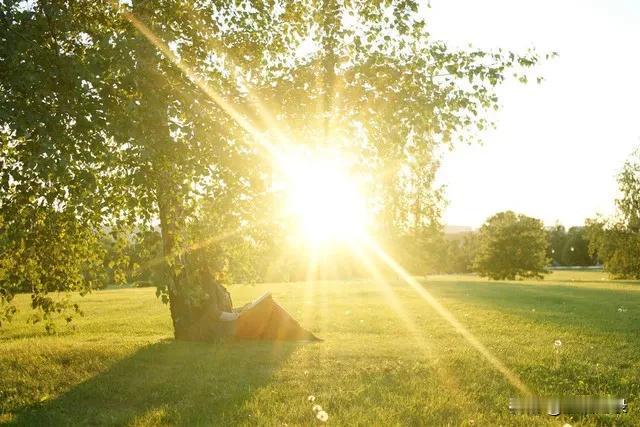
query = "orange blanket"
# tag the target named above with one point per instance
(267, 320)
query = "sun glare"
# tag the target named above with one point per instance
(323, 198)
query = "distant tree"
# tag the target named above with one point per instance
(616, 246)
(511, 246)
(557, 237)
(460, 253)
(575, 250)
(616, 241)
(628, 203)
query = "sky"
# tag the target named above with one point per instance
(558, 146)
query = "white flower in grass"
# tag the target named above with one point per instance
(557, 344)
(322, 416)
(566, 425)
(316, 408)
(311, 398)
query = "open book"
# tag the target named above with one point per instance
(258, 301)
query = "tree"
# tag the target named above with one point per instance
(616, 246)
(118, 117)
(511, 246)
(616, 241)
(569, 248)
(557, 238)
(575, 251)
(461, 253)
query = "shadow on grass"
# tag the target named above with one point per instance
(168, 383)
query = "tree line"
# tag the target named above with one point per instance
(507, 246)
(510, 245)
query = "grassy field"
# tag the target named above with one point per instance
(378, 365)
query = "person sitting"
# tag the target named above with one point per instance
(264, 319)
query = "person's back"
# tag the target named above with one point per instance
(217, 302)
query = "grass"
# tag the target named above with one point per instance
(121, 367)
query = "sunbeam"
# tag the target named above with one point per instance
(448, 379)
(242, 121)
(281, 161)
(446, 314)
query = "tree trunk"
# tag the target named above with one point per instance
(186, 310)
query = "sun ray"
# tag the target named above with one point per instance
(391, 298)
(310, 282)
(447, 378)
(263, 142)
(446, 314)
(197, 245)
(239, 118)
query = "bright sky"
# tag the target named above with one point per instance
(558, 146)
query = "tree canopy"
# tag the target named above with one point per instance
(616, 241)
(511, 246)
(122, 117)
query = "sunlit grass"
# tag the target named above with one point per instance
(121, 367)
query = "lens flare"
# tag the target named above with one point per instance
(323, 198)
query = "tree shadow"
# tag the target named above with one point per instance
(169, 382)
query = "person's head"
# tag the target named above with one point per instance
(208, 260)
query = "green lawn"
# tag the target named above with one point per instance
(375, 367)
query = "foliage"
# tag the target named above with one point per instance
(616, 241)
(109, 131)
(461, 252)
(511, 246)
(629, 184)
(569, 248)
(576, 248)
(616, 246)
(44, 250)
(557, 237)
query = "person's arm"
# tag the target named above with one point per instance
(239, 310)
(228, 317)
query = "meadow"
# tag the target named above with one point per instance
(380, 363)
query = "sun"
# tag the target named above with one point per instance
(323, 198)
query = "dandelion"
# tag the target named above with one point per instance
(557, 344)
(566, 425)
(316, 408)
(311, 398)
(533, 310)
(322, 416)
